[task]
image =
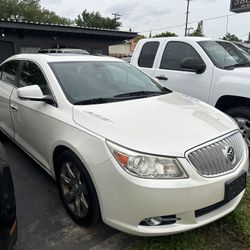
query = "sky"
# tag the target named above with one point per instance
(161, 15)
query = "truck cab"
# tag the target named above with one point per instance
(212, 70)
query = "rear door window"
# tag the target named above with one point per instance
(148, 54)
(9, 72)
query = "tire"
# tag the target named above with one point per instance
(77, 190)
(242, 117)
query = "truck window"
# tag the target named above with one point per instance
(174, 54)
(148, 53)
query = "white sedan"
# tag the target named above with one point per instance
(121, 147)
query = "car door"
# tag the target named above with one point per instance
(8, 82)
(31, 119)
(174, 77)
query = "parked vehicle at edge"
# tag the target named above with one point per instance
(121, 147)
(66, 50)
(8, 224)
(214, 71)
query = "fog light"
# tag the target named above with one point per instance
(159, 221)
(156, 221)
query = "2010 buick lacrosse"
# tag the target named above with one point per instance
(122, 148)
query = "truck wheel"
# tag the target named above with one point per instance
(77, 190)
(242, 117)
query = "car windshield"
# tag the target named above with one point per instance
(91, 82)
(224, 54)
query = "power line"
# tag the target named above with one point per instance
(116, 15)
(169, 27)
(196, 21)
(212, 18)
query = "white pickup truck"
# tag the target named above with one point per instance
(212, 70)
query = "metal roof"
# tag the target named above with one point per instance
(46, 27)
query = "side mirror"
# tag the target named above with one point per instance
(34, 93)
(193, 65)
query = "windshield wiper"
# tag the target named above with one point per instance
(123, 97)
(238, 65)
(141, 93)
(96, 101)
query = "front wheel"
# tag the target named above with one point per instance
(242, 117)
(77, 190)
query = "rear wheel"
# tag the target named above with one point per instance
(242, 117)
(77, 190)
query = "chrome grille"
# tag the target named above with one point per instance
(212, 160)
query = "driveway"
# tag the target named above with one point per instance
(42, 222)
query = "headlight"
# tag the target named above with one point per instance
(147, 166)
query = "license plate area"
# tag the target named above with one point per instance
(235, 186)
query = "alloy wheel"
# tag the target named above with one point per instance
(74, 189)
(244, 125)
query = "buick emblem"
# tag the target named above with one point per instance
(229, 154)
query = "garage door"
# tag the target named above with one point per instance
(6, 50)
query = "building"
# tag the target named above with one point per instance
(124, 49)
(24, 37)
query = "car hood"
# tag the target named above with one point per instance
(164, 125)
(242, 71)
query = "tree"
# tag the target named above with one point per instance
(138, 38)
(231, 37)
(166, 34)
(95, 20)
(199, 30)
(30, 11)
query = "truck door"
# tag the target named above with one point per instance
(173, 76)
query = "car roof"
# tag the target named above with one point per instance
(61, 57)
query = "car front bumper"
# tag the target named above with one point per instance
(126, 200)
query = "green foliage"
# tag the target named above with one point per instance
(95, 20)
(231, 37)
(199, 30)
(30, 11)
(166, 34)
(138, 38)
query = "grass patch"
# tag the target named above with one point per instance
(230, 232)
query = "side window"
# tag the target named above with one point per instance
(9, 72)
(148, 54)
(174, 54)
(31, 74)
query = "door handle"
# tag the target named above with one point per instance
(163, 78)
(13, 107)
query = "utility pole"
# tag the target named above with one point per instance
(187, 16)
(116, 15)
